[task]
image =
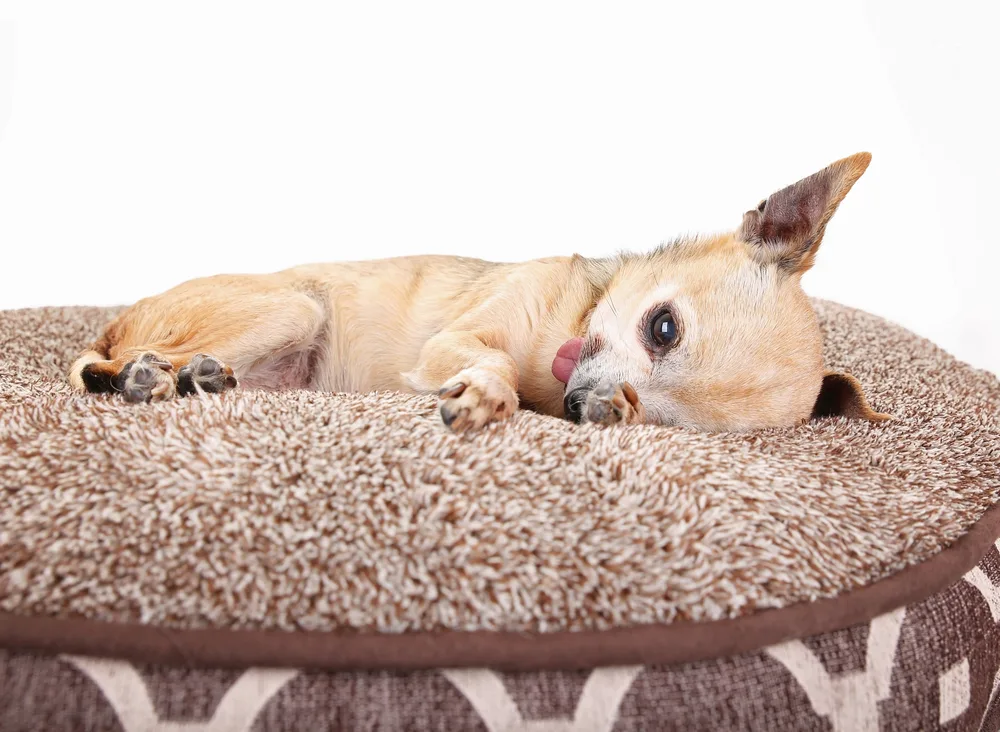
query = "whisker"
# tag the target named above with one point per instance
(652, 271)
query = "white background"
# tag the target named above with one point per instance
(143, 144)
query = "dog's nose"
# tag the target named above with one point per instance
(573, 404)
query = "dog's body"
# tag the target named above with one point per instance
(711, 333)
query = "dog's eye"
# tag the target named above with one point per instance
(663, 329)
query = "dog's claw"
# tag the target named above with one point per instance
(450, 392)
(630, 395)
(153, 359)
(448, 415)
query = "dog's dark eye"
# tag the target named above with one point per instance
(663, 329)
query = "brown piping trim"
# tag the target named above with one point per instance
(644, 644)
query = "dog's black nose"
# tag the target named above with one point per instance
(573, 404)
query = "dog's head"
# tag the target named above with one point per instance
(716, 333)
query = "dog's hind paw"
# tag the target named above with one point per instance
(146, 379)
(206, 374)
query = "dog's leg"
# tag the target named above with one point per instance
(476, 384)
(197, 339)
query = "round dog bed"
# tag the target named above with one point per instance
(345, 531)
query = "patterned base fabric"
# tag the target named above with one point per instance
(931, 665)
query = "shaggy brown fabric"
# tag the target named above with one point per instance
(322, 511)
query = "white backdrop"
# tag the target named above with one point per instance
(143, 144)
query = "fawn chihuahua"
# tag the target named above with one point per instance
(711, 332)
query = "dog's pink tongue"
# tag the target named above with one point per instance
(566, 358)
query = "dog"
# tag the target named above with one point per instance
(711, 333)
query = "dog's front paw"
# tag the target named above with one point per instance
(474, 398)
(611, 403)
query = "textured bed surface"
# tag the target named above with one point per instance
(303, 510)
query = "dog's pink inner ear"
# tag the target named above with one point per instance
(788, 226)
(842, 396)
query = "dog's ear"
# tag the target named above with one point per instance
(842, 396)
(787, 227)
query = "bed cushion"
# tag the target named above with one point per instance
(341, 532)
